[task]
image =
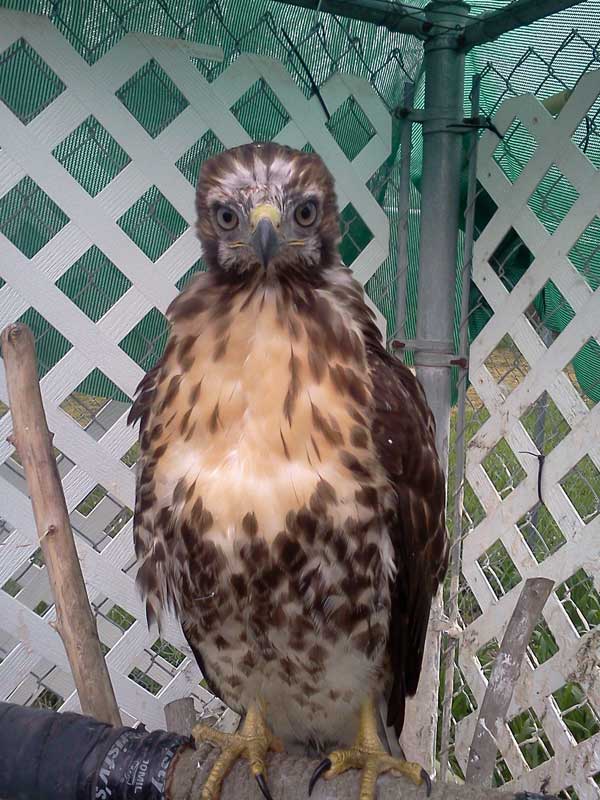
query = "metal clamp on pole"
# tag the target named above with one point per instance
(462, 125)
(476, 124)
(432, 353)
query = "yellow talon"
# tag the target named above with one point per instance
(253, 743)
(368, 755)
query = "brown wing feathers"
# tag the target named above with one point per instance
(403, 431)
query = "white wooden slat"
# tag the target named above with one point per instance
(10, 172)
(184, 252)
(55, 122)
(118, 64)
(123, 191)
(568, 400)
(11, 27)
(119, 320)
(188, 48)
(493, 624)
(363, 264)
(291, 135)
(185, 130)
(235, 82)
(61, 252)
(334, 92)
(549, 265)
(15, 667)
(12, 305)
(101, 573)
(372, 105)
(555, 147)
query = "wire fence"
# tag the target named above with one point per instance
(313, 47)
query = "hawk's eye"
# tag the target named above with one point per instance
(306, 213)
(227, 219)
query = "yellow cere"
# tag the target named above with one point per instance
(265, 211)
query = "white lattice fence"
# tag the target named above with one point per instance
(525, 399)
(96, 224)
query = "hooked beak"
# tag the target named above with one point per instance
(265, 239)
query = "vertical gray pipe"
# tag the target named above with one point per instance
(440, 200)
(402, 259)
(456, 502)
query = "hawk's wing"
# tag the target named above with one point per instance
(404, 436)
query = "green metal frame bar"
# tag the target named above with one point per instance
(400, 19)
(519, 13)
(420, 22)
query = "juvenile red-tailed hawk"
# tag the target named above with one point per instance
(290, 501)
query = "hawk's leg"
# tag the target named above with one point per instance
(370, 756)
(253, 742)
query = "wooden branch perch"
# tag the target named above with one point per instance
(288, 778)
(504, 676)
(74, 620)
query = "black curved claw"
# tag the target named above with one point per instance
(322, 767)
(426, 781)
(262, 785)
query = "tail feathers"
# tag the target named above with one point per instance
(387, 733)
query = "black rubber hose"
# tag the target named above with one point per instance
(50, 756)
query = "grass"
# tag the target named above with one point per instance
(581, 601)
(83, 408)
(168, 651)
(89, 503)
(145, 681)
(48, 700)
(41, 608)
(123, 619)
(576, 712)
(132, 455)
(12, 587)
(531, 738)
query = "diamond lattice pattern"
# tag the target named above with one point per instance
(535, 374)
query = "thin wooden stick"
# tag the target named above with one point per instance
(74, 620)
(505, 674)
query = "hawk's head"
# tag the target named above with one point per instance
(267, 206)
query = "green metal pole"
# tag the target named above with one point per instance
(440, 201)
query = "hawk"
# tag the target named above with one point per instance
(290, 500)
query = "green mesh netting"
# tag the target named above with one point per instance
(544, 58)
